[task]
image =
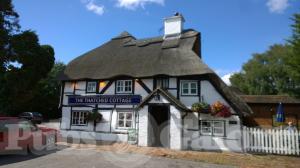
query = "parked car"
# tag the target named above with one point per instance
(19, 136)
(35, 117)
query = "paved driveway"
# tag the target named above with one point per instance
(89, 158)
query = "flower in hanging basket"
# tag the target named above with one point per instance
(201, 107)
(94, 116)
(220, 110)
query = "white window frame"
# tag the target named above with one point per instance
(212, 127)
(94, 87)
(121, 86)
(189, 83)
(79, 118)
(125, 113)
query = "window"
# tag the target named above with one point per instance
(189, 88)
(79, 117)
(162, 83)
(125, 119)
(91, 87)
(124, 86)
(212, 127)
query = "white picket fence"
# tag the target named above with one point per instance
(272, 141)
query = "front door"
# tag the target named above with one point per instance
(158, 128)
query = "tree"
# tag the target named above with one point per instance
(294, 62)
(23, 62)
(276, 71)
(47, 93)
(8, 25)
(266, 73)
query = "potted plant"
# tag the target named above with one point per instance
(201, 107)
(220, 110)
(94, 116)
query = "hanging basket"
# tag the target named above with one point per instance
(220, 110)
(95, 116)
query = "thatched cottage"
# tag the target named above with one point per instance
(144, 90)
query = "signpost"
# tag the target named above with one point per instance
(104, 99)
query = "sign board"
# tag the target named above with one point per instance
(104, 99)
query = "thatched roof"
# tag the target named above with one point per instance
(124, 55)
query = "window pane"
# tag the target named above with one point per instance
(91, 86)
(128, 123)
(185, 85)
(121, 116)
(193, 91)
(193, 85)
(206, 127)
(218, 124)
(218, 131)
(129, 116)
(121, 123)
(185, 91)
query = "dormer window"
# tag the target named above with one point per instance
(91, 87)
(124, 86)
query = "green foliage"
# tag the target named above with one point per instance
(23, 63)
(47, 93)
(276, 71)
(294, 62)
(266, 73)
(201, 107)
(95, 116)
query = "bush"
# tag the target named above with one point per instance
(201, 107)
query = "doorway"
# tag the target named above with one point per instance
(158, 128)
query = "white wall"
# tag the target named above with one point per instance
(175, 128)
(90, 135)
(143, 126)
(65, 119)
(231, 142)
(210, 95)
(148, 83)
(104, 124)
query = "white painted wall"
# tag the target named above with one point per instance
(210, 95)
(143, 126)
(192, 139)
(231, 142)
(90, 135)
(65, 119)
(175, 128)
(148, 83)
(172, 83)
(104, 124)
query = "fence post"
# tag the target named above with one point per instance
(297, 142)
(292, 134)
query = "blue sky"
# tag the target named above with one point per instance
(232, 30)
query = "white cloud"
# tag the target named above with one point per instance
(133, 4)
(93, 7)
(226, 77)
(277, 6)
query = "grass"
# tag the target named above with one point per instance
(223, 158)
